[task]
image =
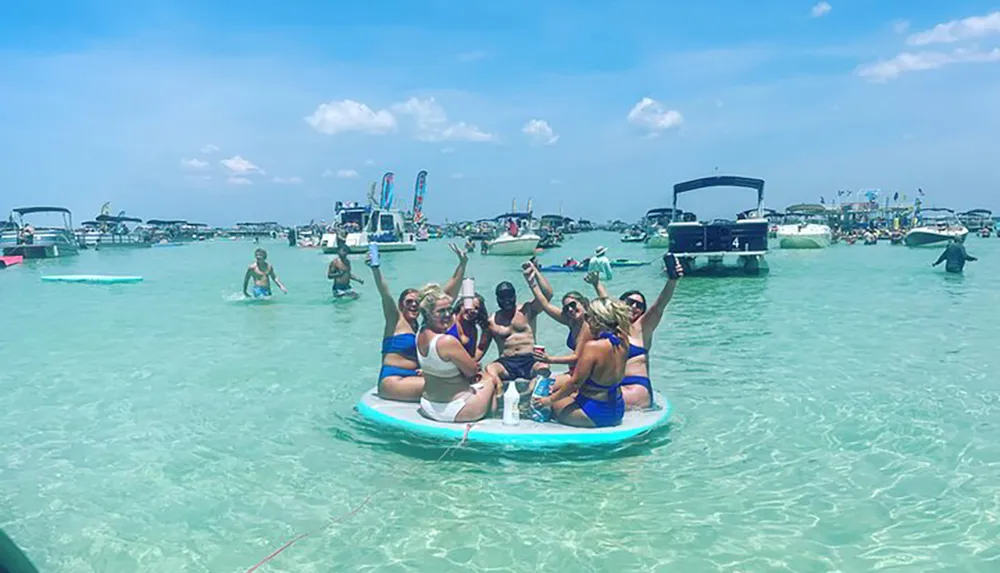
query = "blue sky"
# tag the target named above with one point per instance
(224, 111)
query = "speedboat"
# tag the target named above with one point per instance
(634, 235)
(704, 247)
(937, 227)
(807, 232)
(364, 226)
(43, 242)
(522, 243)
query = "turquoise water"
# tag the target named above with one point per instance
(842, 414)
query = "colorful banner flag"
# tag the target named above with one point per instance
(418, 196)
(385, 202)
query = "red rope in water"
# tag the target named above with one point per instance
(300, 537)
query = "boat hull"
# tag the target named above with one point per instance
(41, 251)
(358, 243)
(810, 237)
(507, 246)
(929, 237)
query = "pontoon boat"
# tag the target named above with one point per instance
(703, 247)
(39, 242)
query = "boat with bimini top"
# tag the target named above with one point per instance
(805, 227)
(25, 240)
(704, 247)
(936, 226)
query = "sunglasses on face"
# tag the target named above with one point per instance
(409, 303)
(570, 306)
(633, 303)
(443, 312)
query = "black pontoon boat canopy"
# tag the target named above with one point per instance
(30, 210)
(117, 219)
(165, 222)
(722, 181)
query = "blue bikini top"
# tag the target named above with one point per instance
(469, 346)
(571, 341)
(634, 351)
(403, 344)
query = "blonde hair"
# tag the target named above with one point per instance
(609, 315)
(429, 296)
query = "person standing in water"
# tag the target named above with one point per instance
(955, 255)
(599, 263)
(339, 272)
(262, 273)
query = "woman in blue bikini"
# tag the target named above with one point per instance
(573, 315)
(399, 378)
(592, 398)
(636, 387)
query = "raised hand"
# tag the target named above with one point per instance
(463, 257)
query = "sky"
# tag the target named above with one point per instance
(256, 110)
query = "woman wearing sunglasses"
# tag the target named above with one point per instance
(399, 379)
(636, 387)
(451, 392)
(573, 315)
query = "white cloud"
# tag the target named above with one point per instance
(447, 150)
(432, 122)
(915, 62)
(237, 164)
(193, 163)
(650, 115)
(901, 26)
(239, 181)
(540, 132)
(349, 115)
(957, 30)
(288, 180)
(821, 9)
(457, 175)
(347, 174)
(209, 149)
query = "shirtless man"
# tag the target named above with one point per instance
(262, 273)
(513, 329)
(340, 272)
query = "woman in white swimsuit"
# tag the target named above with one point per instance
(451, 393)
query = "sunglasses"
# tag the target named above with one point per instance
(443, 312)
(631, 302)
(411, 303)
(570, 306)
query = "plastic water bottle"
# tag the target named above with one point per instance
(468, 292)
(511, 405)
(373, 254)
(542, 389)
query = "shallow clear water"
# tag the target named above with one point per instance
(842, 414)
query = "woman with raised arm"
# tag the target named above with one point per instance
(451, 393)
(399, 379)
(636, 386)
(592, 397)
(572, 315)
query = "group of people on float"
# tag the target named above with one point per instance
(435, 342)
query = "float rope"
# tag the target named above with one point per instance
(351, 513)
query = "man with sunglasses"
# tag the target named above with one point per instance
(513, 328)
